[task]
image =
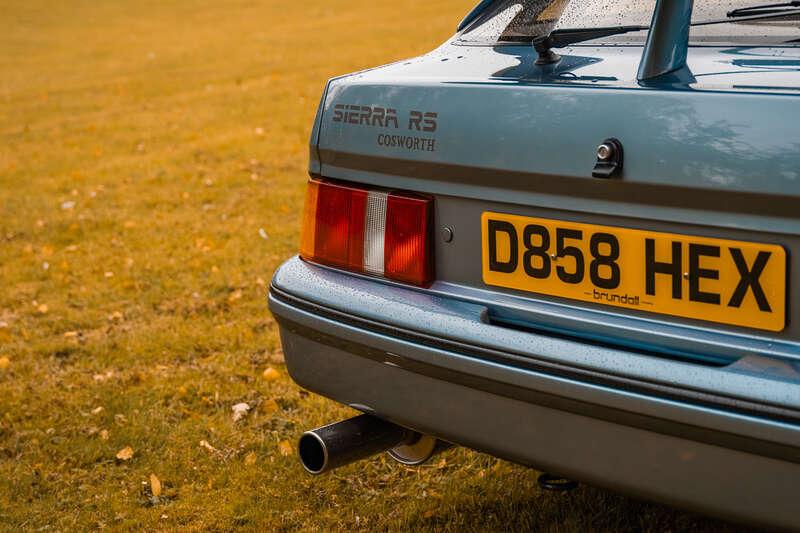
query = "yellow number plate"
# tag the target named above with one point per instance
(731, 282)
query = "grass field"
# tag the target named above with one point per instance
(152, 164)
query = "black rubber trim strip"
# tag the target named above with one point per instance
(668, 427)
(645, 193)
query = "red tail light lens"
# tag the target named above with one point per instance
(406, 245)
(368, 231)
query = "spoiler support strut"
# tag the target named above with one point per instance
(668, 40)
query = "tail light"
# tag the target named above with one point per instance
(371, 232)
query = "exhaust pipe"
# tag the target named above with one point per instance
(344, 442)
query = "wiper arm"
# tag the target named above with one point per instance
(568, 36)
(762, 9)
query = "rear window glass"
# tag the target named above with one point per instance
(514, 21)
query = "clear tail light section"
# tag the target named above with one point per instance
(368, 231)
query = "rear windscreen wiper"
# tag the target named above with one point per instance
(567, 36)
(762, 9)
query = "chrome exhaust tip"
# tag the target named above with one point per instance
(313, 453)
(345, 442)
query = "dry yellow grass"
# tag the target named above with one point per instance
(152, 164)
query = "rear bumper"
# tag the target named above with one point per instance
(720, 440)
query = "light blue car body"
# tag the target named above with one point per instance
(687, 412)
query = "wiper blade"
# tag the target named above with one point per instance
(762, 9)
(568, 36)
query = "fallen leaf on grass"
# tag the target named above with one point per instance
(235, 295)
(104, 434)
(155, 485)
(97, 410)
(269, 406)
(108, 374)
(240, 411)
(42, 308)
(250, 458)
(285, 448)
(270, 374)
(115, 316)
(207, 446)
(5, 362)
(125, 454)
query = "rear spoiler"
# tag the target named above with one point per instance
(667, 41)
(472, 15)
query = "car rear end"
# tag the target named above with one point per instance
(463, 274)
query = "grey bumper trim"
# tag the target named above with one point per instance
(541, 384)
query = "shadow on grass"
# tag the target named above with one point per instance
(584, 509)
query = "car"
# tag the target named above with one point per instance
(564, 238)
